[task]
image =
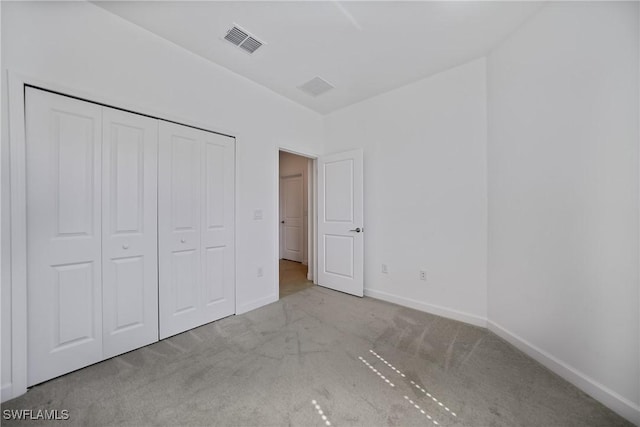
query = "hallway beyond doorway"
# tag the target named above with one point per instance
(293, 277)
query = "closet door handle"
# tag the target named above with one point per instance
(183, 240)
(125, 246)
(357, 230)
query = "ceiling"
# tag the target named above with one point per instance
(363, 48)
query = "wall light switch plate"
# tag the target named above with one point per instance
(384, 268)
(257, 214)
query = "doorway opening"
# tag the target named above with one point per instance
(296, 225)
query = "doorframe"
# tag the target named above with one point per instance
(312, 215)
(16, 86)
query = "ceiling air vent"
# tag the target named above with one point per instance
(250, 44)
(243, 39)
(316, 86)
(236, 36)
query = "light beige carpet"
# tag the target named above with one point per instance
(317, 357)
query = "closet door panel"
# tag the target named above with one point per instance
(185, 282)
(179, 228)
(218, 230)
(63, 234)
(129, 227)
(197, 253)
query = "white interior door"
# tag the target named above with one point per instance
(129, 231)
(218, 227)
(195, 225)
(292, 217)
(63, 148)
(101, 221)
(179, 228)
(340, 222)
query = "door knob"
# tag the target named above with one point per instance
(125, 246)
(357, 230)
(183, 241)
(282, 222)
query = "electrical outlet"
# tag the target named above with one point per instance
(384, 268)
(260, 272)
(423, 275)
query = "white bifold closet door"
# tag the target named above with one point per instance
(64, 283)
(195, 227)
(91, 233)
(129, 231)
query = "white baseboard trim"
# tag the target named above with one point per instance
(429, 308)
(607, 397)
(6, 392)
(252, 305)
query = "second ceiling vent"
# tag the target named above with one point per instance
(316, 86)
(243, 39)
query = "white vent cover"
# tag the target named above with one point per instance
(236, 36)
(250, 44)
(243, 39)
(316, 86)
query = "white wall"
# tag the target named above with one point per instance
(425, 190)
(563, 195)
(292, 164)
(5, 267)
(5, 298)
(83, 47)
